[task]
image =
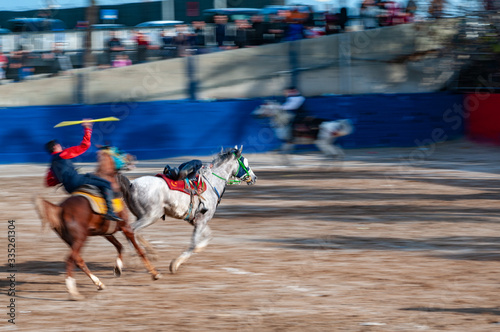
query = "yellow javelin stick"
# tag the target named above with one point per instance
(70, 123)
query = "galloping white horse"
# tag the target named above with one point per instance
(323, 138)
(150, 198)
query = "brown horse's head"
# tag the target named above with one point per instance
(110, 161)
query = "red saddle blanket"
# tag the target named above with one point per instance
(186, 187)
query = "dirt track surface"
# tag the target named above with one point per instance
(382, 244)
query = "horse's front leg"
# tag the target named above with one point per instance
(199, 241)
(202, 239)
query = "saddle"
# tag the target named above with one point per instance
(96, 200)
(190, 187)
(185, 178)
(188, 170)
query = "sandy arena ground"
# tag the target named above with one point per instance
(386, 242)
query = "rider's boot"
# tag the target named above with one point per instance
(110, 214)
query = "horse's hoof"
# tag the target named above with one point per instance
(101, 287)
(173, 267)
(157, 276)
(117, 272)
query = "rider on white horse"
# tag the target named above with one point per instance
(293, 125)
(294, 105)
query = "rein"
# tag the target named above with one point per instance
(241, 165)
(219, 196)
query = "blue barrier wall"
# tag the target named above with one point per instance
(163, 129)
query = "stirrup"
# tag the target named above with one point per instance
(112, 217)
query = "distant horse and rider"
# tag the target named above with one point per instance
(293, 125)
(86, 212)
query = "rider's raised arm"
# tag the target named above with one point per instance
(77, 150)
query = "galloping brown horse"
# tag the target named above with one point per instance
(75, 219)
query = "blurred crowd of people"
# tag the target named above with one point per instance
(199, 37)
(193, 39)
(380, 13)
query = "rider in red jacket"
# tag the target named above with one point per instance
(63, 171)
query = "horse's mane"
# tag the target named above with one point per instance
(223, 156)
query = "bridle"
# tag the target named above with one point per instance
(242, 174)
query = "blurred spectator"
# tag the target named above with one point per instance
(331, 23)
(277, 27)
(436, 8)
(411, 8)
(115, 47)
(142, 43)
(295, 25)
(336, 22)
(295, 15)
(220, 29)
(257, 30)
(369, 12)
(309, 19)
(168, 49)
(16, 64)
(121, 60)
(61, 62)
(3, 65)
(183, 39)
(343, 18)
(242, 33)
(294, 31)
(391, 14)
(199, 36)
(491, 4)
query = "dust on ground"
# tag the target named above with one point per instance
(388, 240)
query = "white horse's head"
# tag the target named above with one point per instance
(235, 164)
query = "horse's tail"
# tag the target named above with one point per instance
(125, 186)
(49, 213)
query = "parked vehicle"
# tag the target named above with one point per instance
(158, 24)
(35, 24)
(232, 14)
(109, 26)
